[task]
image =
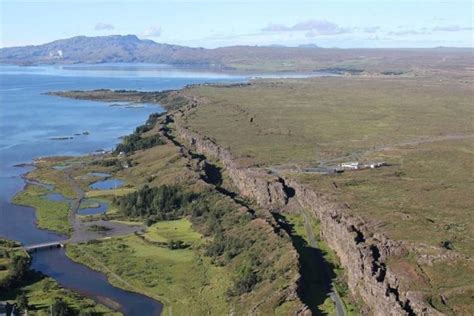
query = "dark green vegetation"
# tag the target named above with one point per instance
(36, 293)
(159, 203)
(98, 228)
(209, 218)
(13, 265)
(134, 142)
(115, 48)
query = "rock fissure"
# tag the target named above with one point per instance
(361, 254)
(211, 174)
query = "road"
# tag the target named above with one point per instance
(81, 231)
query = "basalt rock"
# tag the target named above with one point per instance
(362, 253)
(264, 189)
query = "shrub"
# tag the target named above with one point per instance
(246, 280)
(135, 142)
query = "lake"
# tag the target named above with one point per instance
(33, 124)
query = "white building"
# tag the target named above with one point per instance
(351, 165)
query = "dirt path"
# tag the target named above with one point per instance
(81, 229)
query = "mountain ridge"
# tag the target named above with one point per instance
(304, 58)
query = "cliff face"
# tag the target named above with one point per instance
(267, 224)
(264, 189)
(362, 253)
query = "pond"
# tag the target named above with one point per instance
(56, 197)
(107, 184)
(99, 208)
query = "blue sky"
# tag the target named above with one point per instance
(345, 24)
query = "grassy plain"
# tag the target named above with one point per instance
(180, 229)
(306, 121)
(160, 272)
(51, 215)
(423, 127)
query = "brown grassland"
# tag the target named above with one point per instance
(422, 127)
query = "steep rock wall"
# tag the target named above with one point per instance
(257, 185)
(362, 254)
(196, 164)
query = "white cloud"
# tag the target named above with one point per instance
(103, 27)
(452, 28)
(152, 31)
(408, 32)
(275, 28)
(312, 28)
(371, 29)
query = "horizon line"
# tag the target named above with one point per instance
(315, 45)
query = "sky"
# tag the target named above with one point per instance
(345, 24)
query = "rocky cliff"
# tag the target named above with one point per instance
(362, 253)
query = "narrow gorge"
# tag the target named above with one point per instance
(362, 253)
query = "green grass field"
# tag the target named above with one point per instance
(51, 215)
(174, 230)
(160, 272)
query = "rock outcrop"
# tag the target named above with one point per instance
(263, 188)
(362, 253)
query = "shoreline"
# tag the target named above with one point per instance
(101, 300)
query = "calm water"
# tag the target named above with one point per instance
(28, 121)
(56, 197)
(102, 208)
(107, 184)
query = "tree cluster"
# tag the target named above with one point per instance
(154, 204)
(17, 272)
(135, 141)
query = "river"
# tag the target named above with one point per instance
(33, 124)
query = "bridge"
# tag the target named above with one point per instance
(46, 245)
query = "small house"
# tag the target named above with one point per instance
(353, 165)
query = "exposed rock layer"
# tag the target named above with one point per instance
(197, 164)
(362, 253)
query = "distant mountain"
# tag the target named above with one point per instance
(114, 48)
(308, 46)
(130, 49)
(274, 45)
